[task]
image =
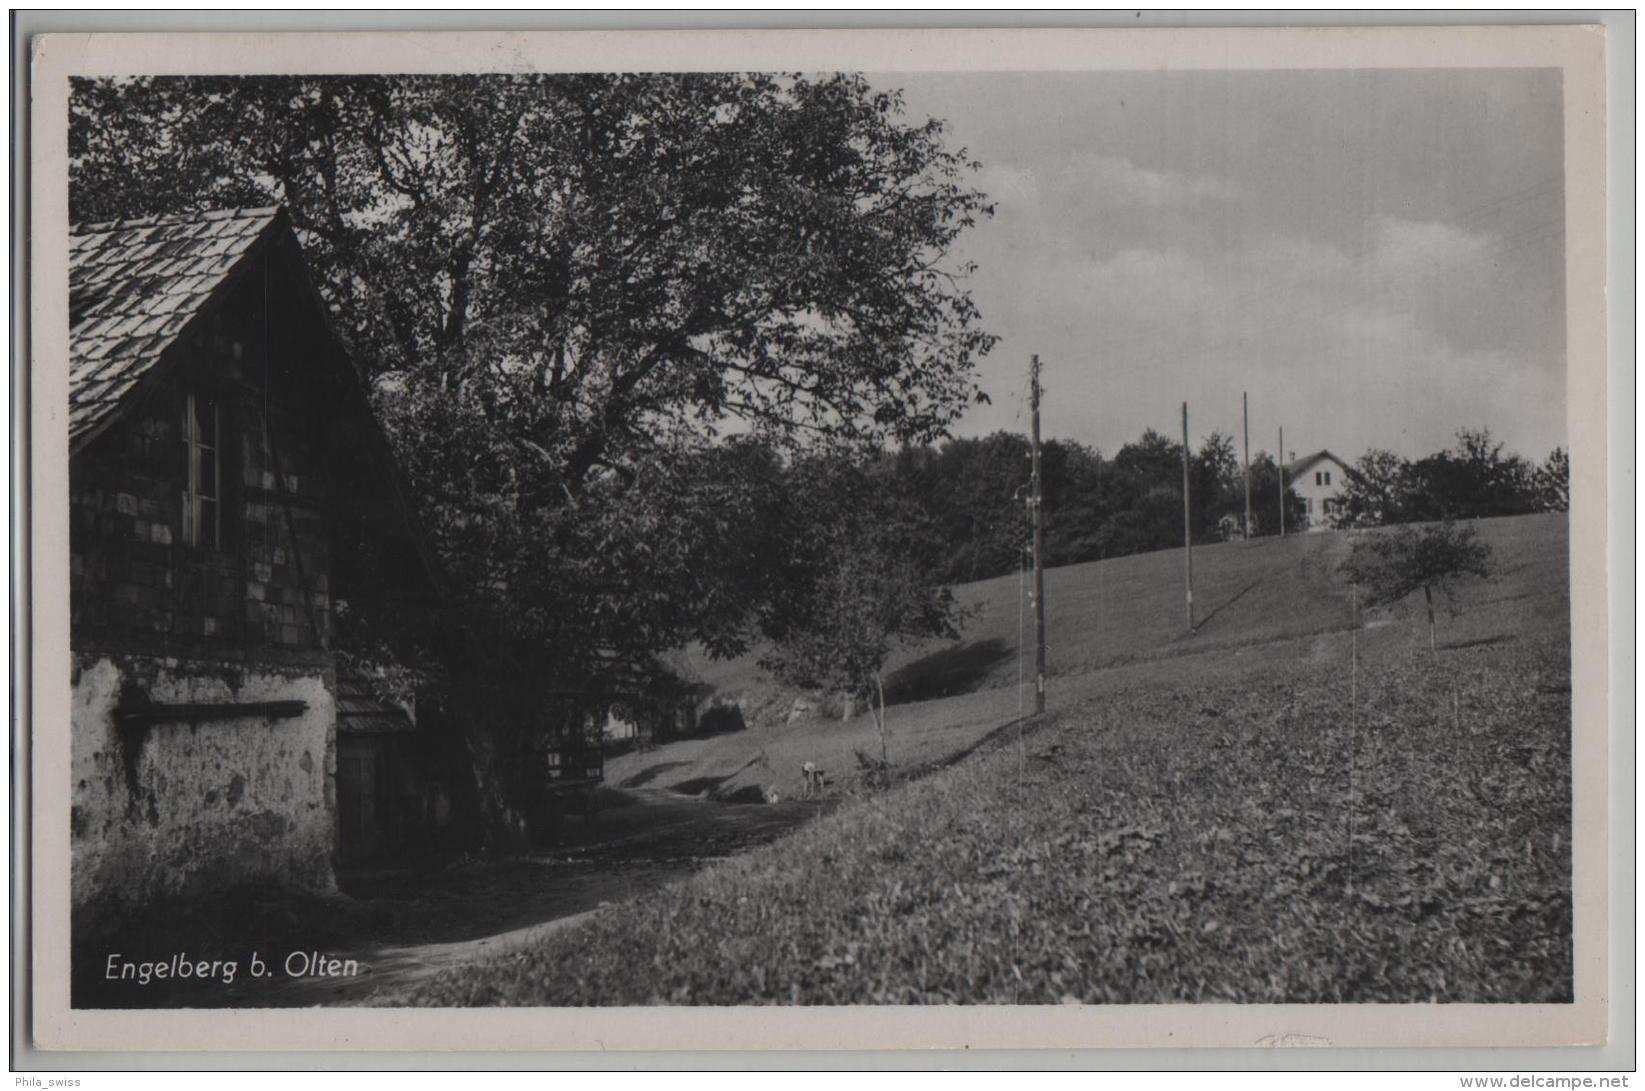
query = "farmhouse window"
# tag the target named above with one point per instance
(203, 480)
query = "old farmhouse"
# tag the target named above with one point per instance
(234, 506)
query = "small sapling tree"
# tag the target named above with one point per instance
(1391, 564)
(861, 584)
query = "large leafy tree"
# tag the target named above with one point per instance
(561, 283)
(1074, 503)
(568, 289)
(1144, 490)
(1217, 486)
(975, 489)
(1474, 479)
(1376, 489)
(1266, 498)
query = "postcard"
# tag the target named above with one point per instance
(841, 539)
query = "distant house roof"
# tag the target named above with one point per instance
(134, 285)
(1307, 462)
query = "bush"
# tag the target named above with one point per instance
(1393, 564)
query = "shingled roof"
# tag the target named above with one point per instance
(362, 711)
(133, 287)
(1306, 463)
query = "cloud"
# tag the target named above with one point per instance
(1009, 186)
(1115, 177)
(1092, 179)
(1156, 280)
(1375, 256)
(1410, 247)
(1349, 346)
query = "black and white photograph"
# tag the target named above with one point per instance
(821, 537)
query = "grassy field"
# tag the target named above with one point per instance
(1238, 815)
(950, 696)
(1106, 620)
(1100, 614)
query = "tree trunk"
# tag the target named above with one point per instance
(1433, 643)
(885, 755)
(502, 826)
(481, 709)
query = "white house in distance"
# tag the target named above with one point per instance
(1318, 480)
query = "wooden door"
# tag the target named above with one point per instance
(360, 790)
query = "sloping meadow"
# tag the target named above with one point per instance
(1254, 839)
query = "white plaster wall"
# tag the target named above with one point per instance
(186, 807)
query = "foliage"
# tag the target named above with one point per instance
(1392, 564)
(563, 286)
(1553, 481)
(1374, 490)
(1395, 563)
(858, 585)
(1074, 504)
(1475, 479)
(976, 490)
(1472, 480)
(1265, 498)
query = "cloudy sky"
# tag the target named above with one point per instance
(1376, 256)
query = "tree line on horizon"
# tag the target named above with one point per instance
(973, 493)
(1477, 478)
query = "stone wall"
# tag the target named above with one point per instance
(183, 808)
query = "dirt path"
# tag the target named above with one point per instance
(402, 926)
(654, 838)
(397, 969)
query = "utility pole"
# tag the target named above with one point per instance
(1245, 411)
(1353, 734)
(1039, 531)
(1187, 523)
(1282, 482)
